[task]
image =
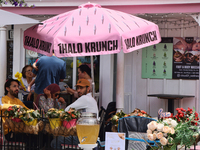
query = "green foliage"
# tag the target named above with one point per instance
(30, 115)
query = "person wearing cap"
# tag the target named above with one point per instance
(85, 103)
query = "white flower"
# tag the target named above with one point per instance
(152, 125)
(160, 127)
(166, 129)
(151, 137)
(172, 131)
(149, 132)
(167, 121)
(174, 123)
(163, 141)
(159, 135)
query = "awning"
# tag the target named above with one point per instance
(8, 18)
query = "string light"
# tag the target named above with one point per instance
(172, 19)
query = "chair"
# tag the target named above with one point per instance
(135, 128)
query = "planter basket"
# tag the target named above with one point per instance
(32, 123)
(57, 128)
(69, 124)
(21, 127)
(55, 123)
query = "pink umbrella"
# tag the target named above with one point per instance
(91, 30)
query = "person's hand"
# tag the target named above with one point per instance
(29, 96)
(29, 88)
(61, 100)
(21, 87)
(47, 92)
(70, 91)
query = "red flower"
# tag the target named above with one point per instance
(73, 116)
(181, 115)
(142, 111)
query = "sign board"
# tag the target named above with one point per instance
(115, 141)
(157, 60)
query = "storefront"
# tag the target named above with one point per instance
(135, 88)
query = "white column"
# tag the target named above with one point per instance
(120, 82)
(3, 59)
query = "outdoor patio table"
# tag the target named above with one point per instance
(171, 98)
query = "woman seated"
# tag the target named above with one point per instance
(51, 98)
(27, 77)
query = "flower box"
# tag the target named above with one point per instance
(69, 124)
(55, 122)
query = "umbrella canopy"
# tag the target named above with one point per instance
(91, 30)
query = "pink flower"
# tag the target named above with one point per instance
(166, 129)
(163, 141)
(172, 131)
(159, 135)
(152, 125)
(151, 137)
(149, 132)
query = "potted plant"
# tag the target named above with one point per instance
(54, 117)
(178, 130)
(70, 118)
(31, 117)
(15, 113)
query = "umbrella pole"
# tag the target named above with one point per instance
(92, 75)
(120, 82)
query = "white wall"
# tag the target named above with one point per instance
(136, 89)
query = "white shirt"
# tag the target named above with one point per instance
(85, 103)
(24, 80)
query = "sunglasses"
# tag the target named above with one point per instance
(57, 94)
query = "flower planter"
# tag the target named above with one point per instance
(16, 119)
(32, 123)
(55, 122)
(69, 124)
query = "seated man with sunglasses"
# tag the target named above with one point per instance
(51, 98)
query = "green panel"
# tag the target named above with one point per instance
(157, 61)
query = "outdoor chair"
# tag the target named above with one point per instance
(135, 128)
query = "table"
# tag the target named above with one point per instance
(171, 98)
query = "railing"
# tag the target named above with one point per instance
(24, 141)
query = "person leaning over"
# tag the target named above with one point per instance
(85, 103)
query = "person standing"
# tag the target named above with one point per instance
(50, 70)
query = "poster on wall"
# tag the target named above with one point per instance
(186, 53)
(157, 60)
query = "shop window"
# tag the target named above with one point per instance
(31, 57)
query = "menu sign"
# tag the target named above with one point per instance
(157, 60)
(186, 53)
(115, 141)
